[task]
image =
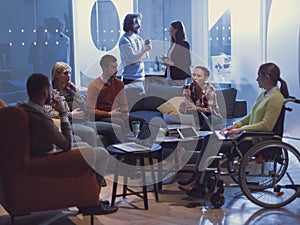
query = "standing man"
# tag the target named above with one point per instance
(45, 135)
(106, 99)
(133, 49)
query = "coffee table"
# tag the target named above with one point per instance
(131, 157)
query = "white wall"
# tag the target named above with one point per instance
(86, 55)
(279, 36)
(283, 48)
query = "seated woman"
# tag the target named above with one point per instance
(76, 105)
(200, 96)
(262, 117)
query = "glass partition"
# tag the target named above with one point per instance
(40, 33)
(219, 15)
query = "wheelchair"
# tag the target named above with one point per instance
(267, 172)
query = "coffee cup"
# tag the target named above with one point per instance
(135, 125)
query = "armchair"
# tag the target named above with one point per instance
(29, 184)
(2, 103)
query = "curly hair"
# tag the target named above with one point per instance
(129, 20)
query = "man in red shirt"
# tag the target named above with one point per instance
(106, 99)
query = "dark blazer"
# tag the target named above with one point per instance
(182, 61)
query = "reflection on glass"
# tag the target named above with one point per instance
(105, 25)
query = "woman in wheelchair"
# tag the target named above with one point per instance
(262, 117)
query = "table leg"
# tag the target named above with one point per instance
(145, 196)
(153, 177)
(115, 185)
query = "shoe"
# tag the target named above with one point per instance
(185, 181)
(259, 159)
(188, 187)
(105, 203)
(195, 193)
(100, 209)
(101, 181)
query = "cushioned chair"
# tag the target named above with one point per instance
(30, 184)
(2, 103)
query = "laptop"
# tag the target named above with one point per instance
(180, 119)
(219, 133)
(188, 133)
(144, 140)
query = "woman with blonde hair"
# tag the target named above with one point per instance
(77, 110)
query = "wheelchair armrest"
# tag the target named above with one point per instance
(251, 135)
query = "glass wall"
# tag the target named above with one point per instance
(231, 37)
(33, 34)
(157, 17)
(220, 40)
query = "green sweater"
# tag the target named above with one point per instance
(264, 113)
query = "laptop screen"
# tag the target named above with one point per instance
(209, 124)
(187, 132)
(147, 134)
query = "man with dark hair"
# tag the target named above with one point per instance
(45, 136)
(106, 99)
(133, 49)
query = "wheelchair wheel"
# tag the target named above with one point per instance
(269, 174)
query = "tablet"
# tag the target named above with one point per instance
(188, 132)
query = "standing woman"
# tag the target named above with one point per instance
(178, 60)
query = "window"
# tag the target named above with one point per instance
(220, 40)
(18, 34)
(157, 17)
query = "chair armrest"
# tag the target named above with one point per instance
(240, 108)
(256, 136)
(64, 164)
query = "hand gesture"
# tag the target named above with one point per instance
(189, 105)
(77, 114)
(58, 105)
(116, 112)
(71, 85)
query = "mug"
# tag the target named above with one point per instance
(135, 125)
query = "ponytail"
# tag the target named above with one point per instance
(283, 88)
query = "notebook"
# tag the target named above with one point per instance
(182, 119)
(219, 133)
(188, 133)
(144, 140)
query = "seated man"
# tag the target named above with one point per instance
(106, 99)
(45, 135)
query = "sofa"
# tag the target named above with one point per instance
(155, 99)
